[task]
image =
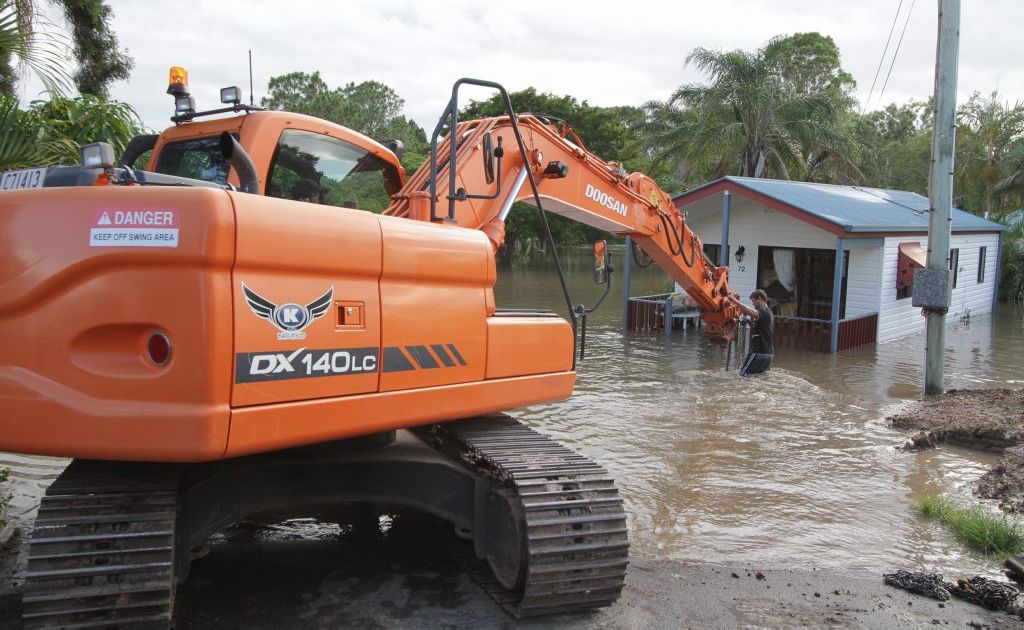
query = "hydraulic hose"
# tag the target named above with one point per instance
(679, 250)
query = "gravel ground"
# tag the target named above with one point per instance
(302, 573)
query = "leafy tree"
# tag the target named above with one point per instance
(370, 107)
(100, 61)
(609, 132)
(808, 63)
(604, 130)
(896, 144)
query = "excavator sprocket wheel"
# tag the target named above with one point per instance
(574, 543)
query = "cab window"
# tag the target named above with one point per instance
(320, 169)
(198, 158)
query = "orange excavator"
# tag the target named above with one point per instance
(230, 331)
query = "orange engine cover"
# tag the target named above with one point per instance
(289, 323)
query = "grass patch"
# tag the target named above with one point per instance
(995, 535)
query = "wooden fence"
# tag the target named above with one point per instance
(857, 331)
(647, 313)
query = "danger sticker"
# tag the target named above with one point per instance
(134, 227)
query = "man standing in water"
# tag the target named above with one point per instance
(762, 344)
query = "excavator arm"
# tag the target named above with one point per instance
(490, 174)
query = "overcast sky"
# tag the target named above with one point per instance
(607, 53)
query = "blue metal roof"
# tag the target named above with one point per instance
(857, 208)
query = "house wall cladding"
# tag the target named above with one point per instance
(862, 280)
(899, 317)
(752, 226)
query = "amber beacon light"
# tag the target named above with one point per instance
(177, 83)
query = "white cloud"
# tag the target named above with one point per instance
(605, 53)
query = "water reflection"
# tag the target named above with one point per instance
(793, 468)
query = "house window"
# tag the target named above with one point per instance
(982, 252)
(714, 253)
(954, 264)
(910, 259)
(799, 281)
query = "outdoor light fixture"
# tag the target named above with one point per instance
(184, 105)
(741, 251)
(97, 155)
(231, 95)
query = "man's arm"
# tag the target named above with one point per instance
(748, 311)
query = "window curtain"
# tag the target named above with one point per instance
(785, 267)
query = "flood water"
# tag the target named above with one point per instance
(792, 468)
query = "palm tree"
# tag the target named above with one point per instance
(1012, 283)
(1013, 182)
(990, 135)
(20, 42)
(26, 141)
(751, 121)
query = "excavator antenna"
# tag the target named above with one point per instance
(250, 79)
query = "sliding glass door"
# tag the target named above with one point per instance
(798, 281)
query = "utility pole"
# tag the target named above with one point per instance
(940, 186)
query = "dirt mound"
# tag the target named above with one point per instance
(987, 419)
(1005, 481)
(983, 419)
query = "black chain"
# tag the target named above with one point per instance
(927, 584)
(976, 590)
(984, 592)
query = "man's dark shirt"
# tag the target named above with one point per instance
(761, 339)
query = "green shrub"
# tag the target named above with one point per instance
(996, 535)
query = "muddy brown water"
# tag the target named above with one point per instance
(795, 468)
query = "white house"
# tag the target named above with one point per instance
(784, 236)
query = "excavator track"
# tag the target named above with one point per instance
(102, 552)
(576, 544)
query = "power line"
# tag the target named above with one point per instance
(888, 39)
(898, 44)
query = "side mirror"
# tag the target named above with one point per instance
(601, 263)
(488, 158)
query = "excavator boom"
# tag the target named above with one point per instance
(554, 169)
